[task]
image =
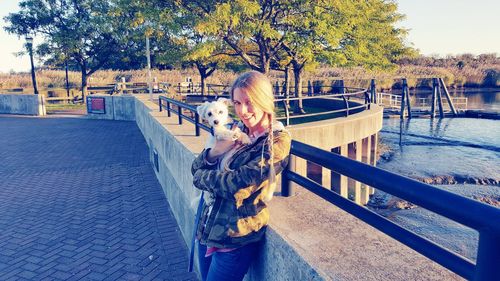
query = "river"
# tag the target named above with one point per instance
(461, 155)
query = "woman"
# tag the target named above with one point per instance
(241, 178)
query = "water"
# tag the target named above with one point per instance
(452, 148)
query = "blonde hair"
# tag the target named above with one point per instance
(260, 92)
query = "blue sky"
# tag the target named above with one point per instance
(437, 27)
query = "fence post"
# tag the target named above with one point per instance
(179, 113)
(346, 105)
(168, 108)
(488, 256)
(286, 184)
(159, 104)
(197, 123)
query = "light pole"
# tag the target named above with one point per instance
(29, 43)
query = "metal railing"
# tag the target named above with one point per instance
(394, 101)
(481, 217)
(177, 107)
(361, 96)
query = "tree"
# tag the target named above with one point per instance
(246, 27)
(83, 31)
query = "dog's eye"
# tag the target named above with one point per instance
(220, 112)
(210, 114)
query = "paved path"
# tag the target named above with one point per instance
(79, 200)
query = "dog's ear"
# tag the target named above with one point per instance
(201, 109)
(225, 101)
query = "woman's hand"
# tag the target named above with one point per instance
(220, 147)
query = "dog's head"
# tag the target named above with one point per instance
(216, 112)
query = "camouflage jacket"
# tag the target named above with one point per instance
(239, 215)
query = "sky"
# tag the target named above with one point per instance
(436, 27)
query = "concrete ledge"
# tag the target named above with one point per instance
(308, 238)
(22, 104)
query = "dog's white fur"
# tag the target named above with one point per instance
(217, 115)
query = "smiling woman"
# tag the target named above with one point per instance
(241, 178)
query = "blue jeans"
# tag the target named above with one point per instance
(228, 266)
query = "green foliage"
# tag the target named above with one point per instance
(81, 31)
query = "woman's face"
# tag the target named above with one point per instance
(250, 115)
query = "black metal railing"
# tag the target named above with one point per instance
(481, 217)
(360, 95)
(177, 107)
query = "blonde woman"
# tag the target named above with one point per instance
(242, 179)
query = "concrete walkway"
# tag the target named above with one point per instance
(79, 200)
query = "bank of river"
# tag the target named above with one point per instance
(461, 155)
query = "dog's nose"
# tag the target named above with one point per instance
(216, 122)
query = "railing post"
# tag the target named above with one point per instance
(168, 108)
(197, 123)
(286, 184)
(488, 256)
(286, 102)
(159, 104)
(179, 113)
(367, 99)
(345, 101)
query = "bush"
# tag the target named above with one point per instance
(492, 78)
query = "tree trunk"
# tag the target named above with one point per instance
(84, 81)
(203, 86)
(297, 74)
(203, 76)
(67, 79)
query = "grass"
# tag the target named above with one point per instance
(69, 106)
(471, 75)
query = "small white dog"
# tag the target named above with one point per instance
(217, 115)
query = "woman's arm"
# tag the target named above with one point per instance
(227, 183)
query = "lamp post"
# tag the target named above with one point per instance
(29, 43)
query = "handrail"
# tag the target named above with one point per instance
(479, 216)
(180, 106)
(345, 97)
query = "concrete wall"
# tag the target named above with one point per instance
(22, 104)
(117, 107)
(308, 238)
(176, 147)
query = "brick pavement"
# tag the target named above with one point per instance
(80, 201)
